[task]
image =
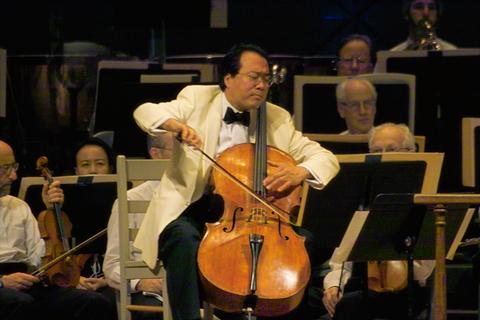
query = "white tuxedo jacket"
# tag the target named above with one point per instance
(185, 181)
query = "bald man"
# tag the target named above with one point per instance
(357, 104)
(391, 137)
(21, 250)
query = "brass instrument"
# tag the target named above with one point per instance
(424, 37)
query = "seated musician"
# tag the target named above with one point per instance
(422, 36)
(207, 117)
(355, 55)
(159, 147)
(22, 295)
(92, 156)
(391, 137)
(344, 304)
(357, 104)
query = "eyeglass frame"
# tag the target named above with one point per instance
(8, 168)
(267, 78)
(421, 6)
(359, 60)
(354, 106)
(386, 149)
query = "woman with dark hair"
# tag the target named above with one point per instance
(94, 156)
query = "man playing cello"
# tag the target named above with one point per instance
(174, 224)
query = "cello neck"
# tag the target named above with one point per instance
(260, 167)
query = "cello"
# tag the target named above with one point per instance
(251, 260)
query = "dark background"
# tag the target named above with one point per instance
(305, 27)
(33, 33)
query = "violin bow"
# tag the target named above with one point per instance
(68, 253)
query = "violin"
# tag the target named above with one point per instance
(251, 260)
(55, 229)
(387, 276)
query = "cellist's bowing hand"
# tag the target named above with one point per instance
(19, 281)
(331, 296)
(285, 177)
(92, 284)
(185, 133)
(52, 194)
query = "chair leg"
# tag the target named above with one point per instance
(167, 311)
(207, 311)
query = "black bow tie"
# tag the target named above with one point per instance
(240, 117)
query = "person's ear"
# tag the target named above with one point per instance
(227, 79)
(154, 153)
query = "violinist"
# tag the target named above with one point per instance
(92, 156)
(22, 296)
(391, 303)
(213, 118)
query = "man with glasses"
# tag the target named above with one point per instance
(354, 55)
(357, 104)
(391, 137)
(22, 296)
(214, 118)
(417, 12)
(341, 299)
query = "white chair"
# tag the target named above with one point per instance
(135, 171)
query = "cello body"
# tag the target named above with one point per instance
(225, 257)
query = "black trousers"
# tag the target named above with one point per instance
(354, 305)
(178, 249)
(139, 298)
(55, 303)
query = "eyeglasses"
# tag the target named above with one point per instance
(354, 106)
(423, 5)
(7, 168)
(256, 77)
(358, 60)
(390, 149)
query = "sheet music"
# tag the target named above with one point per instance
(351, 235)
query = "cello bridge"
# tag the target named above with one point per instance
(257, 215)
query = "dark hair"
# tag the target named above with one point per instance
(406, 8)
(357, 37)
(96, 142)
(231, 61)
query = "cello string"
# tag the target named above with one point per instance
(281, 213)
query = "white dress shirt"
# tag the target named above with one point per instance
(111, 263)
(20, 239)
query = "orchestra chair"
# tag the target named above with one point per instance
(135, 171)
(352, 143)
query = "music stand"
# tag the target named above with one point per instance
(444, 96)
(3, 83)
(398, 228)
(315, 105)
(351, 143)
(88, 203)
(470, 155)
(328, 212)
(123, 86)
